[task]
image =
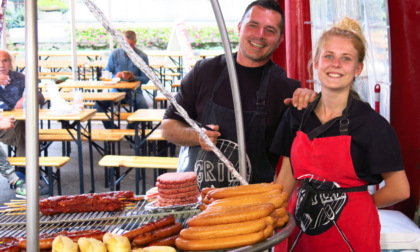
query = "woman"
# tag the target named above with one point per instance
(334, 149)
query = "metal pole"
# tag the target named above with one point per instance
(31, 123)
(111, 39)
(234, 86)
(73, 40)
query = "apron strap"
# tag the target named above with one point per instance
(344, 121)
(307, 186)
(261, 93)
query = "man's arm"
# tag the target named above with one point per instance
(179, 133)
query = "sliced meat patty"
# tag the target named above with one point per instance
(174, 195)
(173, 178)
(175, 186)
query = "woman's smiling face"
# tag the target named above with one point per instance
(338, 63)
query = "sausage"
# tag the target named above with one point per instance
(246, 201)
(9, 244)
(157, 234)
(206, 190)
(9, 247)
(166, 221)
(232, 216)
(219, 243)
(268, 231)
(169, 241)
(44, 243)
(95, 234)
(225, 192)
(225, 230)
(205, 200)
(281, 211)
(282, 221)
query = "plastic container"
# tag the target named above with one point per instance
(398, 232)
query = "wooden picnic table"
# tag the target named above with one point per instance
(140, 118)
(69, 122)
(91, 55)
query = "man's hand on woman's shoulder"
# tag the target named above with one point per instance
(301, 98)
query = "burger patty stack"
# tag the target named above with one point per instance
(177, 189)
(235, 216)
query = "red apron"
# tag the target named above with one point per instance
(346, 221)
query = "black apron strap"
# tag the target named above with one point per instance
(344, 121)
(306, 185)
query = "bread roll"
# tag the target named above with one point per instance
(91, 245)
(117, 243)
(159, 249)
(62, 243)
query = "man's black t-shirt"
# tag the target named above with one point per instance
(198, 85)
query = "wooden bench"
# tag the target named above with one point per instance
(101, 116)
(108, 136)
(141, 162)
(48, 163)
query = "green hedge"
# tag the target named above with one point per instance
(201, 37)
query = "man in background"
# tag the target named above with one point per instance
(12, 87)
(121, 66)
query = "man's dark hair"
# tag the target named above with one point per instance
(269, 5)
(131, 35)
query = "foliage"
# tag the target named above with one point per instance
(49, 5)
(201, 37)
(15, 19)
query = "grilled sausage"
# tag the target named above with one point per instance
(166, 221)
(157, 234)
(225, 230)
(225, 192)
(169, 241)
(219, 243)
(248, 213)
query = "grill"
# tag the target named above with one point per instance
(119, 223)
(14, 223)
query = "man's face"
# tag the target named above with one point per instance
(131, 42)
(5, 63)
(259, 36)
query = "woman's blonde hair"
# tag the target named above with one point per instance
(347, 28)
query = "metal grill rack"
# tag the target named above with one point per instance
(114, 222)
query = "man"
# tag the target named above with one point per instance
(15, 180)
(121, 66)
(206, 95)
(12, 87)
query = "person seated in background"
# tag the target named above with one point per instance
(12, 87)
(15, 179)
(121, 66)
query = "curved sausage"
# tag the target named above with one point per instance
(157, 234)
(169, 241)
(225, 192)
(241, 214)
(224, 230)
(166, 221)
(219, 243)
